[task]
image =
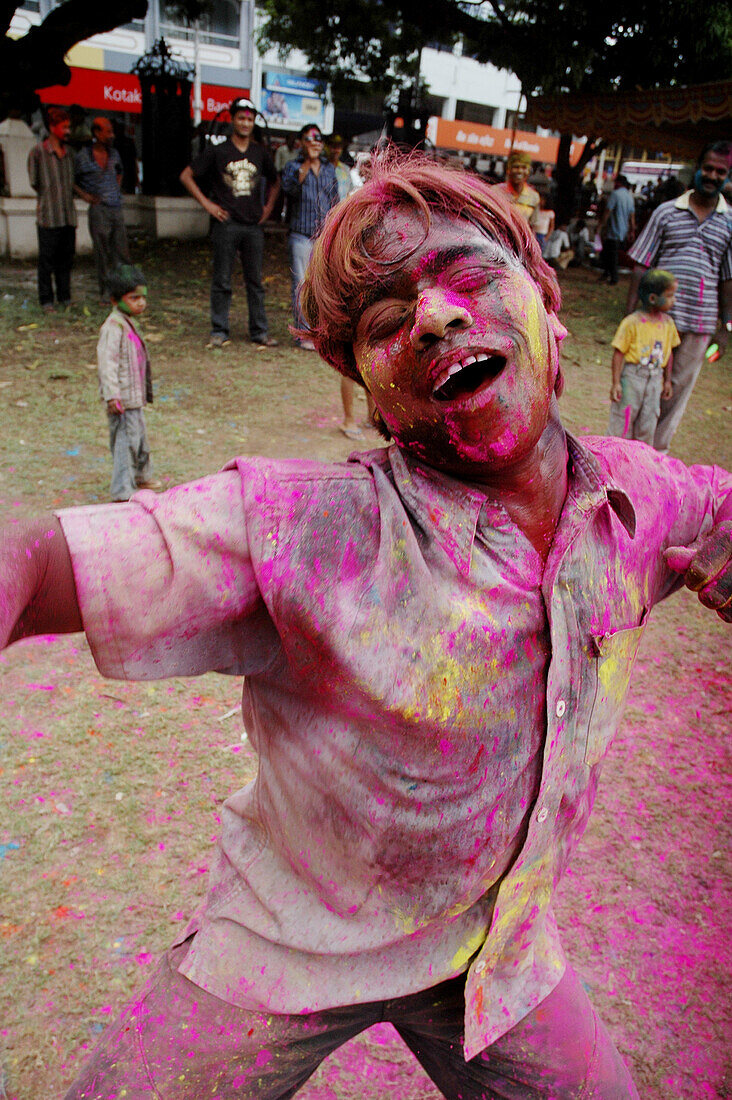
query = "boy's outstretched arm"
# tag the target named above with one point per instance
(37, 588)
(707, 568)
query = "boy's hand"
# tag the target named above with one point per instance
(707, 568)
(668, 390)
(616, 392)
(115, 406)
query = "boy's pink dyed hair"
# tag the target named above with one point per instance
(343, 278)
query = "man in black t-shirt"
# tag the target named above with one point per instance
(230, 177)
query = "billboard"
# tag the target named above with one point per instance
(291, 101)
(99, 90)
(489, 141)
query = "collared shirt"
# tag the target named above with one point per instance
(429, 705)
(52, 177)
(620, 207)
(103, 182)
(526, 201)
(313, 198)
(122, 362)
(698, 253)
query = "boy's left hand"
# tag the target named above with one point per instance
(707, 568)
(668, 390)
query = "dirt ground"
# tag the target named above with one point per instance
(111, 791)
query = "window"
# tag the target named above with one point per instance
(474, 112)
(219, 27)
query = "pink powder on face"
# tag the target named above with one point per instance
(263, 1057)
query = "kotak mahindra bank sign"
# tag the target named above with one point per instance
(97, 90)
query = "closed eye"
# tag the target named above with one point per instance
(467, 279)
(386, 321)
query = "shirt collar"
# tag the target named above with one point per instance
(50, 149)
(448, 511)
(682, 202)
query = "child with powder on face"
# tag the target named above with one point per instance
(643, 360)
(125, 384)
(437, 639)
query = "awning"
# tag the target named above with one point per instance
(677, 121)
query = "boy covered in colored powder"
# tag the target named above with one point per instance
(125, 384)
(437, 640)
(643, 359)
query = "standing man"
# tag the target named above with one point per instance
(617, 222)
(99, 182)
(232, 173)
(437, 639)
(51, 174)
(310, 181)
(516, 188)
(691, 236)
(334, 151)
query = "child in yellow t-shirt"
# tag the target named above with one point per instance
(643, 358)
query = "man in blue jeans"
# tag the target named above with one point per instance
(231, 177)
(616, 223)
(311, 183)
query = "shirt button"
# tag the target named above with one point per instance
(542, 814)
(561, 707)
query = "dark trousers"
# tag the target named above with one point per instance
(56, 249)
(229, 238)
(610, 248)
(109, 237)
(177, 1042)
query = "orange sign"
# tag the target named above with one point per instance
(491, 142)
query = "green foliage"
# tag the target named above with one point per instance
(567, 46)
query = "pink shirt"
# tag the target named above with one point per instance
(429, 704)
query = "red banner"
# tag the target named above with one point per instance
(100, 90)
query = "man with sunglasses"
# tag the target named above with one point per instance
(311, 183)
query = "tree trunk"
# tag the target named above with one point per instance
(569, 177)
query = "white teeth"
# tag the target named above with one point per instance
(454, 369)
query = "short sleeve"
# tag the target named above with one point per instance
(165, 583)
(623, 337)
(645, 249)
(725, 270)
(203, 163)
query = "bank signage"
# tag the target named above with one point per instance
(99, 90)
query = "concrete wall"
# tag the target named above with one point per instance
(18, 237)
(455, 77)
(156, 216)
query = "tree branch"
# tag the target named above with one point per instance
(37, 60)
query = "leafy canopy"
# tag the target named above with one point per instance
(573, 45)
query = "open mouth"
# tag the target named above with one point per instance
(466, 378)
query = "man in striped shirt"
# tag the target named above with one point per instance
(692, 237)
(51, 174)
